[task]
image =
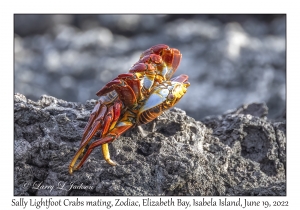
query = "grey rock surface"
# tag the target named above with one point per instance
(238, 153)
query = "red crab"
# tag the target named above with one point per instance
(132, 99)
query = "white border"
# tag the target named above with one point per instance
(152, 6)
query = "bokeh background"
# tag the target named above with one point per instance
(231, 59)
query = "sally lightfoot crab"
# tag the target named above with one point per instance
(132, 99)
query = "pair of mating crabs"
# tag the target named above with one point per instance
(133, 99)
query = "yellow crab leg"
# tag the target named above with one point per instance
(105, 152)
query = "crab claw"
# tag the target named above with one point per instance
(172, 59)
(163, 97)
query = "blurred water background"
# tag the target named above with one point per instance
(231, 59)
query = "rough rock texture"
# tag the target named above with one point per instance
(238, 153)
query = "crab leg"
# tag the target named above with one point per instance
(105, 152)
(156, 49)
(120, 128)
(121, 86)
(111, 117)
(181, 78)
(99, 111)
(90, 135)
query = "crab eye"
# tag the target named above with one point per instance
(171, 97)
